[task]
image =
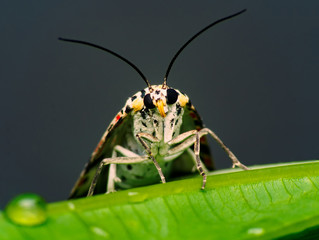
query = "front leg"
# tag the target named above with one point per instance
(112, 177)
(115, 160)
(152, 139)
(198, 161)
(191, 137)
(188, 138)
(232, 156)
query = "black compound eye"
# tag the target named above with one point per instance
(172, 96)
(148, 101)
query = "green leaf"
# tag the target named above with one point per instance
(267, 202)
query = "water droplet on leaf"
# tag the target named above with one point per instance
(27, 210)
(100, 232)
(256, 231)
(136, 197)
(71, 206)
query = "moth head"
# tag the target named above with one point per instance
(160, 98)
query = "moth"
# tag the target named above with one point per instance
(158, 134)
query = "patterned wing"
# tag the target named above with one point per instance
(114, 135)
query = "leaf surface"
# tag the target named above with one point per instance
(267, 202)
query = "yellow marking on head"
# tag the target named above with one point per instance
(160, 106)
(182, 100)
(137, 104)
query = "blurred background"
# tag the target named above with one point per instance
(253, 79)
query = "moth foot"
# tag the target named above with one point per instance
(110, 191)
(242, 166)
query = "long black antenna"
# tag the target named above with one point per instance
(191, 39)
(113, 53)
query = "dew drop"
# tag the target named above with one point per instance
(100, 232)
(256, 231)
(27, 210)
(136, 197)
(71, 206)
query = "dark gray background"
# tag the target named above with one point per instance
(254, 79)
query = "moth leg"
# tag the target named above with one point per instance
(226, 149)
(192, 154)
(149, 152)
(112, 178)
(182, 137)
(116, 160)
(148, 137)
(198, 161)
(189, 138)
